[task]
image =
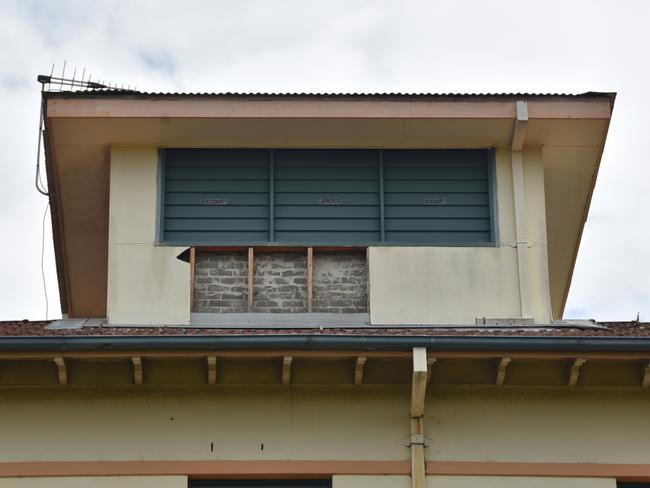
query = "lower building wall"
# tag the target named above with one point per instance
(472, 482)
(96, 482)
(338, 481)
(371, 423)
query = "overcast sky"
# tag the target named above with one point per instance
(341, 46)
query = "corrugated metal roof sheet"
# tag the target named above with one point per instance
(340, 95)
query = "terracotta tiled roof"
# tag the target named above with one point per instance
(601, 329)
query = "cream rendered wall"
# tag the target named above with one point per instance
(387, 481)
(328, 424)
(347, 481)
(455, 285)
(180, 424)
(97, 482)
(146, 283)
(538, 425)
(517, 482)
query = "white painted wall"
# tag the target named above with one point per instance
(146, 283)
(455, 285)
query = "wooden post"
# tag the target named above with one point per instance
(575, 371)
(502, 371)
(418, 465)
(358, 370)
(137, 370)
(419, 382)
(310, 277)
(251, 275)
(192, 272)
(212, 370)
(286, 369)
(61, 370)
(430, 362)
(418, 394)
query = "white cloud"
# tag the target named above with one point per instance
(459, 46)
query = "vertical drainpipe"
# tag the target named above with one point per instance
(418, 394)
(516, 148)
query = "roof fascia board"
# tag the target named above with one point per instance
(58, 235)
(599, 108)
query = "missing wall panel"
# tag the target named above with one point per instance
(340, 283)
(220, 282)
(280, 282)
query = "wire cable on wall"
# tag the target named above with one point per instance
(40, 187)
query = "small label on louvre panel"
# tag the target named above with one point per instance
(329, 201)
(435, 201)
(216, 201)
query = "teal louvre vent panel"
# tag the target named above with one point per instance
(327, 196)
(437, 196)
(216, 196)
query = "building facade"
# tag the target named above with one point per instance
(321, 290)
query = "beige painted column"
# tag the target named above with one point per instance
(518, 186)
(147, 284)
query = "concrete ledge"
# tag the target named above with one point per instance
(274, 320)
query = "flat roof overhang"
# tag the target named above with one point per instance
(81, 128)
(312, 360)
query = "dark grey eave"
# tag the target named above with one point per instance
(325, 343)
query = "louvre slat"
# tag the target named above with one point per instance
(318, 192)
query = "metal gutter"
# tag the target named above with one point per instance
(315, 342)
